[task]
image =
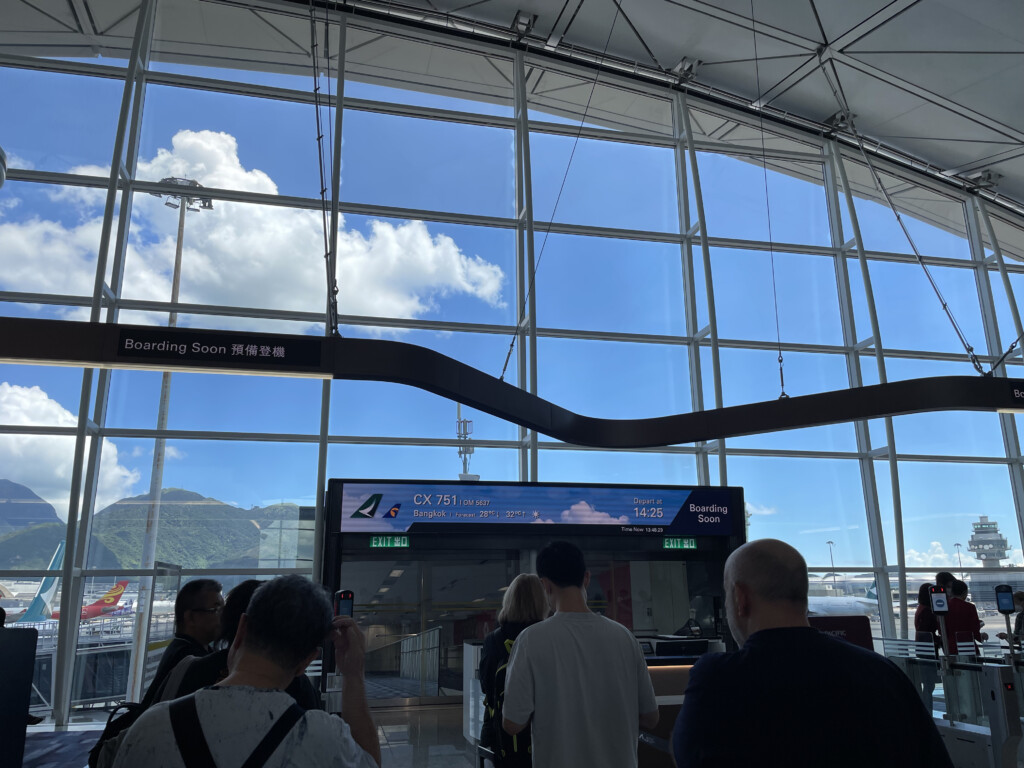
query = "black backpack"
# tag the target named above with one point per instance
(110, 739)
(509, 751)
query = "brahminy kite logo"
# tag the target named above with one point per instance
(114, 594)
(369, 507)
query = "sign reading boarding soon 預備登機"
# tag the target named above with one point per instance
(236, 350)
(400, 507)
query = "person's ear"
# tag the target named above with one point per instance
(742, 599)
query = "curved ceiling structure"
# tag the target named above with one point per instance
(932, 82)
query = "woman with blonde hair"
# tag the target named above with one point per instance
(524, 604)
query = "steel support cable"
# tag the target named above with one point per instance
(768, 205)
(332, 283)
(536, 266)
(844, 105)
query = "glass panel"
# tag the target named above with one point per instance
(404, 462)
(436, 165)
(57, 122)
(712, 127)
(28, 603)
(36, 474)
(1010, 237)
(941, 504)
(1001, 301)
(954, 433)
(405, 71)
(49, 237)
(395, 410)
(751, 376)
(801, 289)
(232, 254)
(561, 466)
(381, 408)
(218, 497)
(40, 395)
(910, 315)
(936, 223)
(603, 183)
(625, 286)
(734, 199)
(228, 141)
(244, 45)
(806, 503)
(563, 97)
(415, 269)
(614, 380)
(216, 402)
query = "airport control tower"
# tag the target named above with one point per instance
(987, 544)
(991, 548)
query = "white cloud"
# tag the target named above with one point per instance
(43, 462)
(239, 254)
(583, 512)
(754, 509)
(17, 161)
(933, 557)
(170, 452)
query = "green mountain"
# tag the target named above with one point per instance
(193, 531)
(31, 548)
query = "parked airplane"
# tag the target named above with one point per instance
(845, 605)
(42, 604)
(105, 605)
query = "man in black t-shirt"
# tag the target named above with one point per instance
(791, 695)
(197, 611)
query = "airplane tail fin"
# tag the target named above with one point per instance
(871, 594)
(42, 604)
(112, 597)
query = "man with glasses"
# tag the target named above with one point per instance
(197, 611)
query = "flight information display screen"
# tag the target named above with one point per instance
(393, 507)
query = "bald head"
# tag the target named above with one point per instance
(765, 588)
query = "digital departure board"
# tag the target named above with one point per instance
(676, 512)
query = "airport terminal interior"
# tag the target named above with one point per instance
(365, 290)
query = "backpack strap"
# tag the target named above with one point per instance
(274, 737)
(188, 733)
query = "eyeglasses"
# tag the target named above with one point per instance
(215, 609)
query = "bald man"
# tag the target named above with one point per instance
(791, 695)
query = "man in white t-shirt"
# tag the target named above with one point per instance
(278, 636)
(580, 676)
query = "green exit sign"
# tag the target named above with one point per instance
(389, 542)
(677, 543)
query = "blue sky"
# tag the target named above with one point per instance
(267, 256)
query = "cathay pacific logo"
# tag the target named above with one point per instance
(369, 507)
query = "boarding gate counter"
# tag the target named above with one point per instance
(428, 563)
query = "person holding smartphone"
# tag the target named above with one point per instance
(248, 713)
(1018, 621)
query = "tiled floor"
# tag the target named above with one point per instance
(424, 737)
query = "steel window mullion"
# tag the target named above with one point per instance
(716, 365)
(862, 431)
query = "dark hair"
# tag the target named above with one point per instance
(188, 596)
(234, 606)
(923, 594)
(562, 564)
(944, 579)
(3, 616)
(287, 618)
(958, 588)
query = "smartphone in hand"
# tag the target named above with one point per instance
(344, 602)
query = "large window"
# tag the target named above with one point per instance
(602, 287)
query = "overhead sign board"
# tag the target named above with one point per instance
(679, 512)
(180, 346)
